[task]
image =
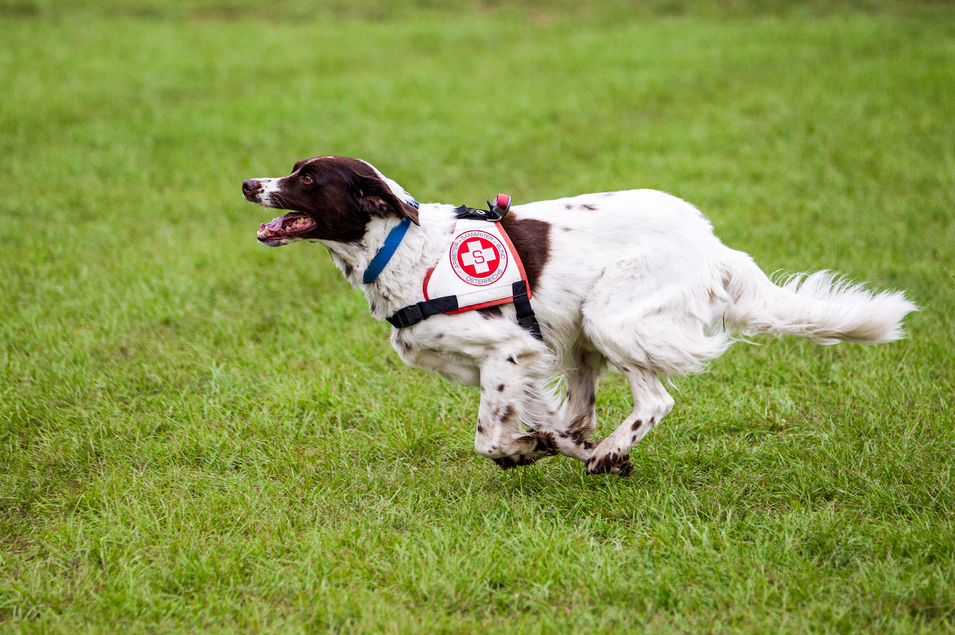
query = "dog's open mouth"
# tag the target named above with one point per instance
(284, 229)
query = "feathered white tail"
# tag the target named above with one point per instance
(822, 306)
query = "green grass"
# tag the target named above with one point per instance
(200, 434)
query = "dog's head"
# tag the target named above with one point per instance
(328, 198)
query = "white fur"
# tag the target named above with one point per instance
(271, 196)
(634, 279)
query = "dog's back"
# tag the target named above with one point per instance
(646, 266)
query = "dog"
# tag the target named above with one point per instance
(635, 280)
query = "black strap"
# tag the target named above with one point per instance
(415, 313)
(470, 213)
(411, 315)
(525, 313)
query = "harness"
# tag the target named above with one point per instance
(480, 269)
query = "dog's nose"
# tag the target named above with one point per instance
(249, 185)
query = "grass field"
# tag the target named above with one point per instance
(201, 434)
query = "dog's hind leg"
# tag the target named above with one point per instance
(651, 403)
(654, 311)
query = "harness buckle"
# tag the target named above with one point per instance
(408, 316)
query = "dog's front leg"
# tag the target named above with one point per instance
(513, 406)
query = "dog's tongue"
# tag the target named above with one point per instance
(278, 224)
(287, 226)
(275, 225)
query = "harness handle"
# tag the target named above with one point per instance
(494, 213)
(501, 205)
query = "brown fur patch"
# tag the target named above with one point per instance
(491, 312)
(578, 429)
(508, 413)
(531, 239)
(508, 462)
(546, 443)
(402, 344)
(611, 463)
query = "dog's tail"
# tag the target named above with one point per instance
(822, 306)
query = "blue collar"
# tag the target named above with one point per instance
(387, 250)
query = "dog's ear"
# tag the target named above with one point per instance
(376, 198)
(411, 213)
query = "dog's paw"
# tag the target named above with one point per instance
(509, 462)
(540, 443)
(612, 463)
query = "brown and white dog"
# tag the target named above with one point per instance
(634, 279)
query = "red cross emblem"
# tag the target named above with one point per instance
(478, 258)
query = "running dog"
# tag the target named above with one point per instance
(633, 279)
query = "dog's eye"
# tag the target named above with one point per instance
(306, 179)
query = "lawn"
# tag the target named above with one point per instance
(199, 434)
